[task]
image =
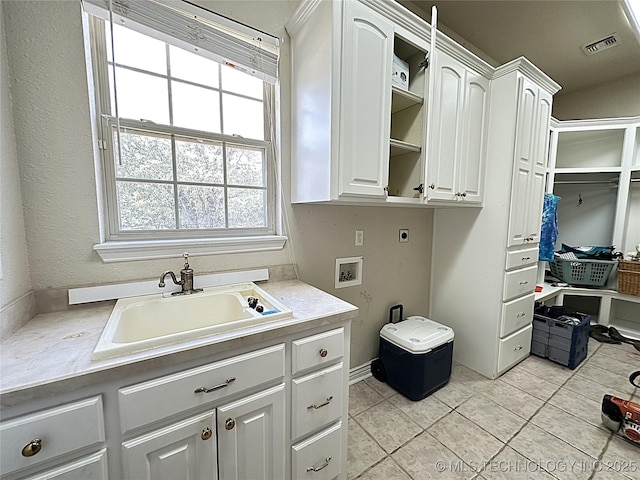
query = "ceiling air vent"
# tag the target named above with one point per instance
(596, 47)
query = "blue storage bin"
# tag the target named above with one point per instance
(560, 340)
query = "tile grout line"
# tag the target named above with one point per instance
(504, 444)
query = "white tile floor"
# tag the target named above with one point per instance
(538, 421)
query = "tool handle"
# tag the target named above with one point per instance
(393, 309)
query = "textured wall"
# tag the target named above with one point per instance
(620, 98)
(52, 123)
(15, 282)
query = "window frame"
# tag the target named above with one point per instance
(221, 240)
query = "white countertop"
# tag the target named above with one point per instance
(57, 347)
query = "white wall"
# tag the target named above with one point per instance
(15, 284)
(620, 98)
(52, 124)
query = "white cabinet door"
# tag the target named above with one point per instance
(183, 450)
(444, 149)
(539, 166)
(251, 437)
(365, 102)
(455, 168)
(532, 131)
(474, 133)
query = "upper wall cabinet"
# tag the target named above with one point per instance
(359, 136)
(530, 162)
(455, 171)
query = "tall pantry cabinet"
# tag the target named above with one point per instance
(491, 309)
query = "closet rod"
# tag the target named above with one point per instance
(589, 182)
(586, 182)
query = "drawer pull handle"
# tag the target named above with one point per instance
(320, 467)
(526, 258)
(519, 347)
(206, 433)
(32, 448)
(316, 407)
(229, 423)
(323, 352)
(521, 314)
(524, 282)
(217, 387)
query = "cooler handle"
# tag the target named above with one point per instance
(399, 317)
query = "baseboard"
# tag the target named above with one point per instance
(357, 374)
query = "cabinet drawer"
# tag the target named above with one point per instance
(519, 282)
(93, 467)
(317, 350)
(514, 348)
(140, 405)
(316, 400)
(517, 314)
(61, 430)
(318, 457)
(521, 258)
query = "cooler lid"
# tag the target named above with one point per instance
(417, 334)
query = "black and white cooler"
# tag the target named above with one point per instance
(416, 356)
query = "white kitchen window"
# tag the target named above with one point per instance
(186, 139)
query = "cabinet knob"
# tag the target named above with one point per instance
(323, 352)
(32, 448)
(321, 466)
(229, 423)
(463, 194)
(206, 433)
(432, 186)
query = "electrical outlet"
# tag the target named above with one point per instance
(404, 235)
(359, 238)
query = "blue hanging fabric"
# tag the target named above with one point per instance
(549, 230)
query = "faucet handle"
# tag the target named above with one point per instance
(186, 259)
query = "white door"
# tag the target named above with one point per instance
(446, 127)
(471, 171)
(524, 155)
(185, 450)
(251, 439)
(539, 164)
(365, 102)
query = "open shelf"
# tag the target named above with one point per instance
(398, 147)
(590, 148)
(402, 99)
(408, 114)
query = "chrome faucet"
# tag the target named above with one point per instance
(186, 278)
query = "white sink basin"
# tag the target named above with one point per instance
(142, 323)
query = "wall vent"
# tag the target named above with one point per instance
(596, 47)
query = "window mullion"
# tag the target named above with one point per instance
(226, 184)
(173, 140)
(224, 151)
